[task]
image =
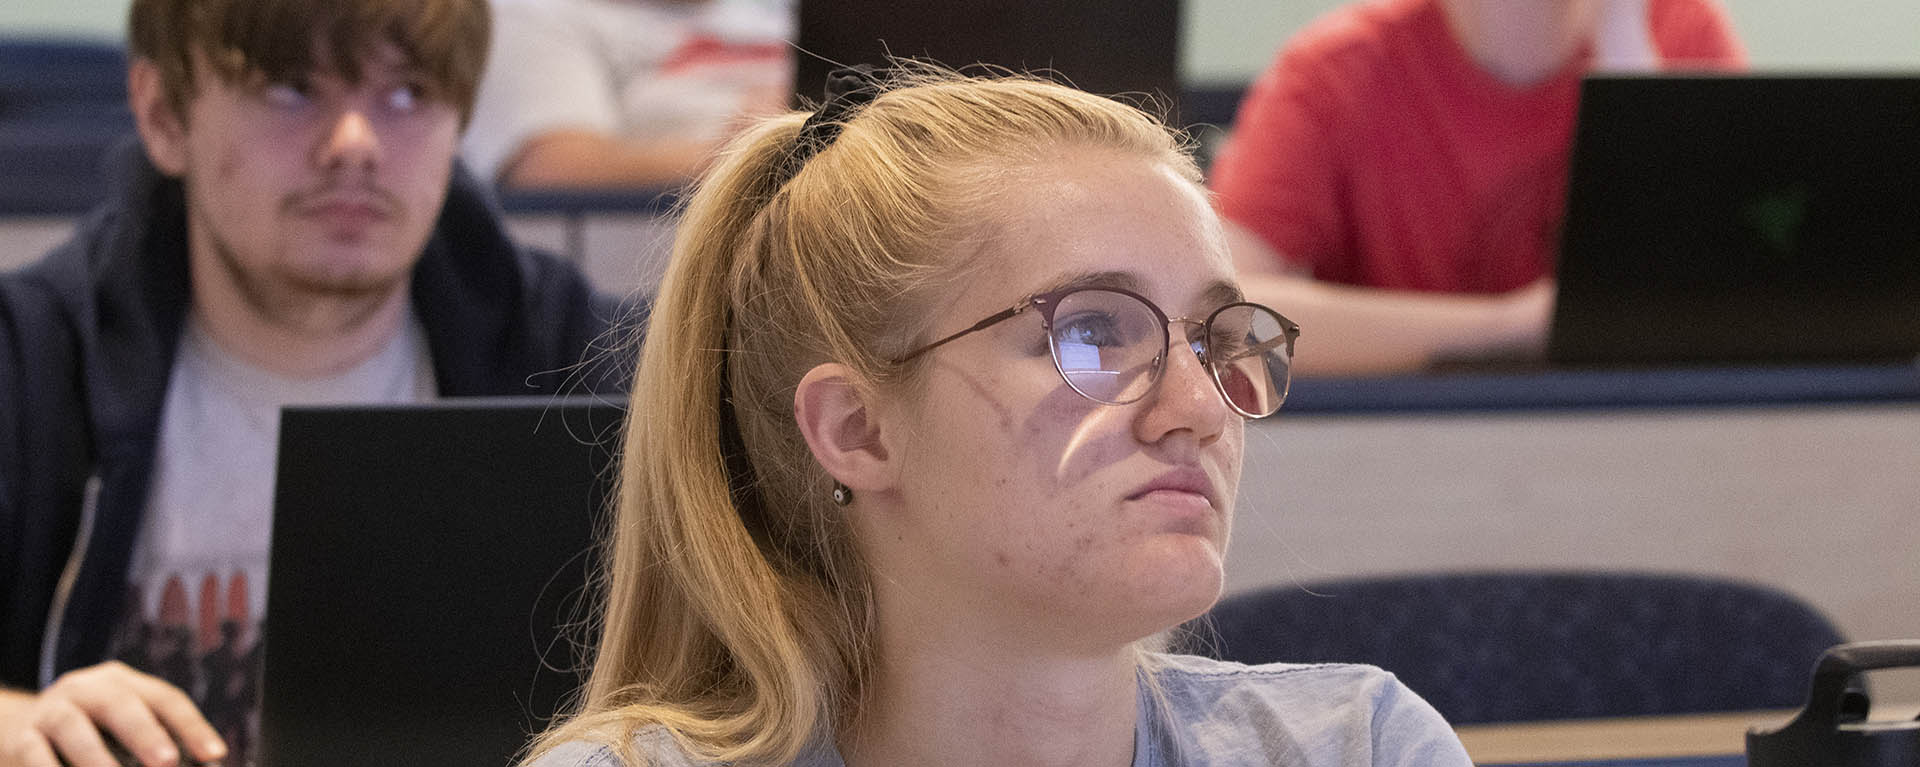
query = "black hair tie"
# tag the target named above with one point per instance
(848, 89)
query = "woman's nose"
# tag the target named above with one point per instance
(1186, 398)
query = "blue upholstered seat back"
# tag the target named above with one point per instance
(1493, 647)
(63, 102)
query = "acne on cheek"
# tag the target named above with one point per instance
(1069, 565)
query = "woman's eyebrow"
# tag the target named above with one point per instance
(1218, 293)
(1221, 293)
(1106, 279)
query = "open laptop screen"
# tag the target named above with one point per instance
(1742, 218)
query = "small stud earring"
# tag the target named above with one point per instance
(841, 494)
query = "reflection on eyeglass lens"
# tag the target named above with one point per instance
(1110, 346)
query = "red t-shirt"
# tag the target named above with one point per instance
(1376, 152)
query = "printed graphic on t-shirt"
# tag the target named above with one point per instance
(199, 635)
(706, 85)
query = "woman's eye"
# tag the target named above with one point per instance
(1088, 329)
(1227, 346)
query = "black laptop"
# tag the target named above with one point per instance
(425, 562)
(1106, 48)
(1742, 219)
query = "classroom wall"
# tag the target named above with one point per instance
(1230, 41)
(101, 18)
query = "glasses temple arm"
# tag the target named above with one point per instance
(999, 317)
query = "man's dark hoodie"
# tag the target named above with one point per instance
(87, 341)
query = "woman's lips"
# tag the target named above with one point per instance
(1186, 496)
(1186, 484)
(1193, 501)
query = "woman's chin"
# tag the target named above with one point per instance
(1184, 580)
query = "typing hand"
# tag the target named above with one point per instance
(74, 721)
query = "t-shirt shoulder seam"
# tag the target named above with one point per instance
(1272, 670)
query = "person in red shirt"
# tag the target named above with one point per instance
(1396, 179)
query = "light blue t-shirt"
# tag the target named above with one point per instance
(1210, 713)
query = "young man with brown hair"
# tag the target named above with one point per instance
(295, 232)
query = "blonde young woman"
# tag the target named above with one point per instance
(940, 420)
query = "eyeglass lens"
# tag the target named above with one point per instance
(1110, 347)
(1250, 358)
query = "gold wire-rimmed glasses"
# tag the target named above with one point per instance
(1110, 345)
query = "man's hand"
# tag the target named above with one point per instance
(1526, 315)
(142, 712)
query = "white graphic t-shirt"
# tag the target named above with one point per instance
(197, 593)
(650, 69)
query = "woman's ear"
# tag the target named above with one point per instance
(163, 130)
(841, 428)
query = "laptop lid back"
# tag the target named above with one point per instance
(1104, 48)
(1742, 219)
(424, 560)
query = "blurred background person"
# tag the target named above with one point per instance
(624, 93)
(1395, 180)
